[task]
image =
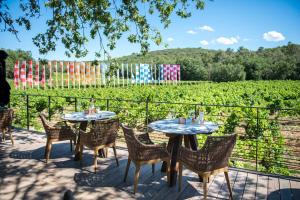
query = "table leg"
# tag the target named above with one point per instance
(169, 148)
(82, 127)
(174, 155)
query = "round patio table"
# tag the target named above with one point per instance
(176, 132)
(83, 119)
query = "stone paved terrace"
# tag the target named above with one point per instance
(25, 175)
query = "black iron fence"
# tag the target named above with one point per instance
(268, 138)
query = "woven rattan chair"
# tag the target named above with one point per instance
(141, 153)
(56, 132)
(102, 135)
(6, 117)
(211, 159)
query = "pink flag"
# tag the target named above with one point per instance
(174, 73)
(50, 74)
(72, 78)
(23, 74)
(165, 72)
(30, 78)
(68, 73)
(62, 73)
(178, 72)
(16, 74)
(37, 75)
(43, 81)
(77, 74)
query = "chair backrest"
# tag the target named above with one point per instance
(6, 117)
(45, 122)
(102, 132)
(218, 150)
(131, 141)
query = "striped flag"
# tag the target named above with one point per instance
(72, 75)
(88, 74)
(50, 74)
(93, 75)
(23, 74)
(137, 74)
(56, 74)
(68, 75)
(30, 78)
(178, 73)
(16, 74)
(77, 74)
(127, 77)
(98, 75)
(103, 68)
(82, 72)
(37, 75)
(161, 73)
(43, 81)
(62, 73)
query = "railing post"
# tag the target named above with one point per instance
(75, 104)
(49, 109)
(195, 110)
(27, 111)
(257, 133)
(107, 104)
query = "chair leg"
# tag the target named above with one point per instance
(205, 180)
(11, 137)
(180, 177)
(48, 150)
(80, 153)
(228, 184)
(115, 152)
(127, 168)
(136, 177)
(169, 171)
(153, 168)
(71, 145)
(106, 152)
(3, 135)
(95, 159)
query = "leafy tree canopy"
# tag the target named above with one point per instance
(74, 22)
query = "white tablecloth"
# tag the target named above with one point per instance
(81, 116)
(172, 126)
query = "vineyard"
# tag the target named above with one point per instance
(265, 114)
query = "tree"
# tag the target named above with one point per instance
(73, 22)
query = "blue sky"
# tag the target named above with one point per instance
(222, 24)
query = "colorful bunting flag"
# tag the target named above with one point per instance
(37, 75)
(23, 75)
(16, 74)
(43, 81)
(29, 77)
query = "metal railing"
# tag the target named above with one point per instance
(269, 139)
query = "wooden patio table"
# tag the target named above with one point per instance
(176, 132)
(83, 119)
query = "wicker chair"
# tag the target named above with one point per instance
(56, 132)
(102, 135)
(141, 153)
(211, 159)
(6, 117)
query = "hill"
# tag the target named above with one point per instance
(219, 65)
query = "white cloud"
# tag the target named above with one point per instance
(206, 28)
(228, 41)
(204, 42)
(191, 32)
(273, 36)
(170, 39)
